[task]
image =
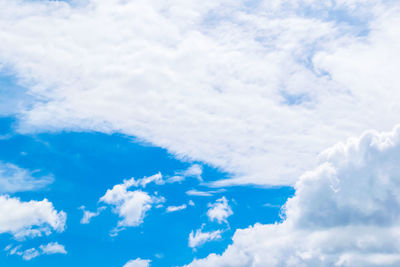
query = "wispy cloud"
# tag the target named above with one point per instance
(176, 208)
(15, 179)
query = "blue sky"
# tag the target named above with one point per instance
(233, 133)
(85, 165)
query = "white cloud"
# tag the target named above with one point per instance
(346, 212)
(156, 178)
(176, 208)
(88, 215)
(244, 86)
(194, 171)
(191, 203)
(197, 193)
(32, 218)
(15, 179)
(199, 238)
(53, 248)
(28, 254)
(138, 263)
(219, 211)
(131, 206)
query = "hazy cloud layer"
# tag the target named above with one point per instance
(257, 88)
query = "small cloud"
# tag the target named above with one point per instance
(194, 171)
(176, 208)
(199, 238)
(194, 192)
(53, 248)
(28, 254)
(138, 263)
(220, 210)
(88, 215)
(191, 203)
(143, 182)
(131, 206)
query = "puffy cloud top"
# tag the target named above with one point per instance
(346, 212)
(131, 206)
(32, 218)
(219, 211)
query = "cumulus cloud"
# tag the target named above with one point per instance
(28, 254)
(53, 248)
(138, 263)
(15, 179)
(219, 211)
(131, 206)
(346, 212)
(249, 86)
(29, 219)
(199, 237)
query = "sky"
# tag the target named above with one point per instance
(141, 133)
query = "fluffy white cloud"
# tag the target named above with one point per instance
(131, 206)
(15, 179)
(176, 208)
(138, 263)
(88, 215)
(219, 211)
(32, 218)
(244, 86)
(53, 248)
(346, 212)
(199, 238)
(28, 254)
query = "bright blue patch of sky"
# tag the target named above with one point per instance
(294, 99)
(85, 165)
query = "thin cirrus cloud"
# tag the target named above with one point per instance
(257, 89)
(194, 171)
(199, 237)
(199, 193)
(346, 212)
(15, 179)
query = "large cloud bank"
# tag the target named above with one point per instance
(346, 212)
(256, 88)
